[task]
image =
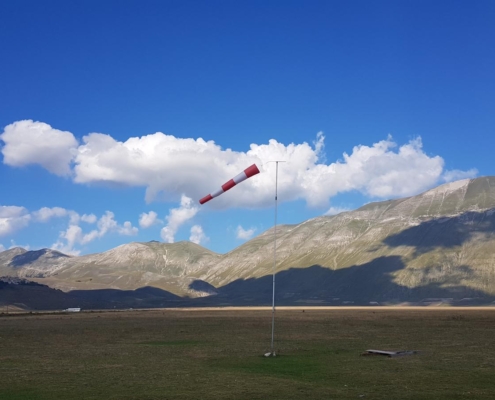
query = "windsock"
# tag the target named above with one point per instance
(247, 173)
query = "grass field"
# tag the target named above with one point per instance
(218, 355)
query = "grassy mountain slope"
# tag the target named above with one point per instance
(439, 243)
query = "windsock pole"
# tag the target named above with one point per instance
(274, 271)
(247, 173)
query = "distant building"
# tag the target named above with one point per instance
(73, 309)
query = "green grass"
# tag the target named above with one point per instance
(172, 343)
(218, 355)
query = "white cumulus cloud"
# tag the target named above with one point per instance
(29, 142)
(148, 219)
(44, 214)
(177, 217)
(197, 235)
(13, 218)
(127, 229)
(455, 175)
(168, 166)
(2, 248)
(244, 234)
(336, 210)
(71, 236)
(107, 224)
(377, 171)
(74, 234)
(89, 218)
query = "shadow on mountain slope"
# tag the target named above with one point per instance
(31, 256)
(444, 232)
(114, 298)
(359, 285)
(316, 285)
(202, 286)
(34, 296)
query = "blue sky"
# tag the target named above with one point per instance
(103, 105)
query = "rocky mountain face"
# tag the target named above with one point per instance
(439, 244)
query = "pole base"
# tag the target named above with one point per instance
(270, 354)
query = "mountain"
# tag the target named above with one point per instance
(439, 244)
(446, 233)
(167, 266)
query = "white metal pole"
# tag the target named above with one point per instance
(274, 258)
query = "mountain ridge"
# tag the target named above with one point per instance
(444, 238)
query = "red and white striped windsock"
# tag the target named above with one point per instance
(247, 173)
